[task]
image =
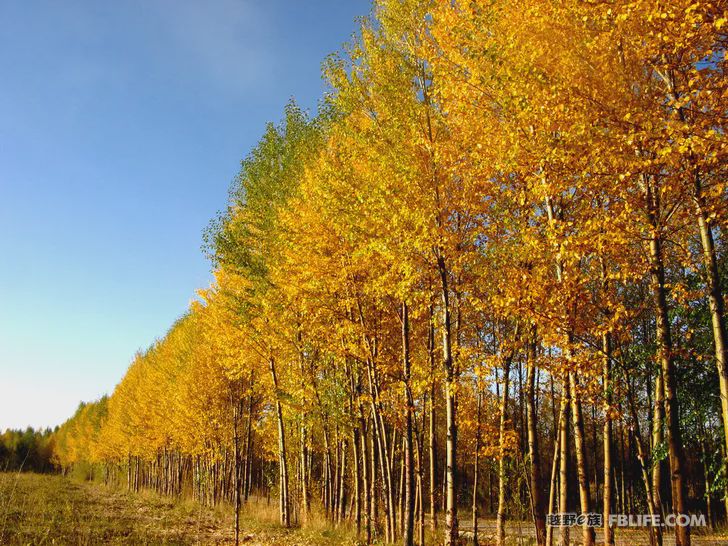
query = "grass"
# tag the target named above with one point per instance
(48, 509)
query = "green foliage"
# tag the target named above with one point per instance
(27, 450)
(268, 177)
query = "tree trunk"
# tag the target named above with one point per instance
(664, 347)
(374, 506)
(363, 451)
(357, 479)
(303, 455)
(409, 501)
(341, 497)
(400, 498)
(476, 467)
(420, 510)
(717, 310)
(500, 532)
(284, 507)
(581, 466)
(305, 501)
(563, 461)
(451, 508)
(537, 504)
(328, 465)
(432, 444)
(607, 440)
(248, 468)
(362, 459)
(657, 440)
(382, 446)
(555, 466)
(420, 484)
(236, 466)
(655, 532)
(706, 479)
(451, 521)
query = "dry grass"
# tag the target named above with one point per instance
(43, 509)
(521, 533)
(259, 524)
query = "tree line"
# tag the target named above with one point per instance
(27, 450)
(487, 277)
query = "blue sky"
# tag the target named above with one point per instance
(121, 127)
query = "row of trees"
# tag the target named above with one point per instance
(27, 450)
(490, 273)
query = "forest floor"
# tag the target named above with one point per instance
(49, 509)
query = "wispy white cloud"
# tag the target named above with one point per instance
(225, 40)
